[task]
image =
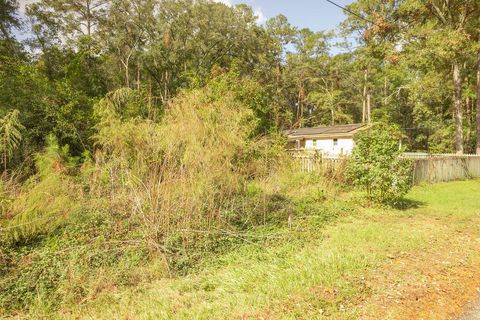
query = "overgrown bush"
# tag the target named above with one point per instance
(376, 166)
(187, 172)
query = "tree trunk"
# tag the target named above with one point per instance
(478, 102)
(138, 75)
(89, 21)
(5, 153)
(300, 100)
(458, 112)
(127, 78)
(277, 106)
(166, 86)
(126, 66)
(385, 91)
(332, 110)
(127, 73)
(364, 110)
(468, 120)
(369, 106)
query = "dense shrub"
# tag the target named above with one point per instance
(376, 165)
(188, 171)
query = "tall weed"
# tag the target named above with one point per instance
(185, 173)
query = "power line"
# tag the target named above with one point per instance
(351, 12)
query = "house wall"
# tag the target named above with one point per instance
(344, 145)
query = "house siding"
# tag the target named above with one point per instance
(326, 146)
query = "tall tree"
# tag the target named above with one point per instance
(478, 99)
(279, 35)
(440, 27)
(304, 67)
(123, 32)
(375, 32)
(8, 21)
(74, 20)
(190, 39)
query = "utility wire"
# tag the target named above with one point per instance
(351, 12)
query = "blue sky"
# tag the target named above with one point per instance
(316, 15)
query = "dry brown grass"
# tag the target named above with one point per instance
(182, 175)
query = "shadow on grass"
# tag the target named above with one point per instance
(406, 204)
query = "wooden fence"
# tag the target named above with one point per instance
(444, 167)
(428, 168)
(313, 162)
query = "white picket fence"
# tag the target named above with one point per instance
(428, 168)
(309, 162)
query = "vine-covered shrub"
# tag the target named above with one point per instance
(376, 165)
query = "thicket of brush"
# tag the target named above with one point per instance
(160, 191)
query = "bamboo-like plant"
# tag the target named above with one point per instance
(11, 136)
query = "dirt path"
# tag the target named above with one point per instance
(473, 312)
(432, 284)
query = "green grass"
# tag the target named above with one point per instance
(303, 272)
(460, 198)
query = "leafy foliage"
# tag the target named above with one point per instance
(10, 134)
(93, 252)
(376, 166)
(400, 73)
(47, 199)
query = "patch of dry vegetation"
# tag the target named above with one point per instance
(393, 264)
(187, 173)
(163, 192)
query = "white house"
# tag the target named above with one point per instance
(330, 141)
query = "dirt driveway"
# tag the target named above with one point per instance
(472, 312)
(434, 283)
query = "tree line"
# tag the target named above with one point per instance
(413, 63)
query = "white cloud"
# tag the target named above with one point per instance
(256, 10)
(23, 3)
(227, 2)
(260, 16)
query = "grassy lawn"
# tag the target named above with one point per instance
(400, 264)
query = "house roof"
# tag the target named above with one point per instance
(331, 131)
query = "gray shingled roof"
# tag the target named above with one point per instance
(340, 129)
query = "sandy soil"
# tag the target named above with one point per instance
(472, 311)
(437, 283)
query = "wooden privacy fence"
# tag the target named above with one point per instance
(444, 167)
(429, 168)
